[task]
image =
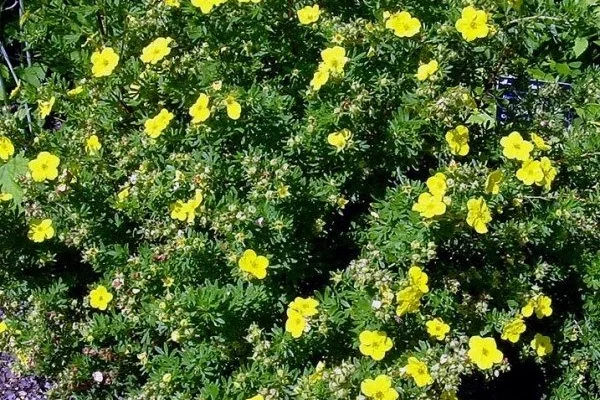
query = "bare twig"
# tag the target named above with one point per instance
(18, 82)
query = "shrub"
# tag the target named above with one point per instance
(215, 199)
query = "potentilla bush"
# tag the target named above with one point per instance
(268, 199)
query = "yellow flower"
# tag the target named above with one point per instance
(92, 144)
(253, 264)
(513, 329)
(104, 62)
(257, 397)
(493, 181)
(172, 3)
(548, 171)
(473, 24)
(100, 297)
(6, 148)
(166, 378)
(540, 304)
(200, 110)
(3, 327)
(437, 184)
(295, 323)
(308, 14)
(403, 24)
(339, 139)
(542, 345)
(320, 77)
(458, 140)
(409, 300)
(429, 205)
(283, 191)
(379, 388)
(183, 211)
(418, 279)
(483, 352)
(437, 328)
(539, 142)
(334, 59)
(478, 215)
(45, 107)
(426, 70)
(156, 51)
(38, 232)
(374, 344)
(530, 172)
(418, 371)
(515, 147)
(44, 167)
(205, 6)
(153, 127)
(75, 91)
(234, 109)
(307, 307)
(5, 196)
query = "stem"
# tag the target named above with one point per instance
(525, 19)
(18, 82)
(21, 12)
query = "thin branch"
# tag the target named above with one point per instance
(18, 82)
(526, 19)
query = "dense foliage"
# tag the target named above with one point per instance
(269, 199)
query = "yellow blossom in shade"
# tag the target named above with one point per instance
(458, 140)
(437, 328)
(403, 24)
(156, 51)
(44, 167)
(542, 345)
(320, 77)
(104, 62)
(448, 395)
(75, 91)
(473, 24)
(153, 127)
(206, 6)
(478, 215)
(418, 279)
(334, 59)
(548, 171)
(493, 181)
(15, 91)
(295, 323)
(5, 196)
(200, 111)
(307, 307)
(234, 109)
(426, 70)
(339, 139)
(515, 147)
(539, 142)
(100, 297)
(257, 397)
(429, 205)
(6, 148)
(541, 305)
(513, 329)
(483, 352)
(379, 388)
(254, 264)
(437, 184)
(418, 370)
(283, 191)
(409, 300)
(374, 344)
(186, 210)
(40, 231)
(45, 106)
(3, 327)
(92, 145)
(309, 14)
(530, 172)
(172, 3)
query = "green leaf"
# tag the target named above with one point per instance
(9, 174)
(581, 44)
